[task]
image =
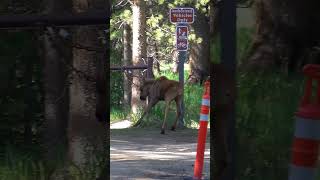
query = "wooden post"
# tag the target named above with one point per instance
(223, 88)
(150, 68)
(228, 62)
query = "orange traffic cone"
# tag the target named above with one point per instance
(305, 146)
(202, 134)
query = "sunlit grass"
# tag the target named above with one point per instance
(118, 114)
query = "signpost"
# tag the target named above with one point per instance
(182, 38)
(182, 17)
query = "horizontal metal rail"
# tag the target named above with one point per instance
(122, 68)
(148, 67)
(42, 20)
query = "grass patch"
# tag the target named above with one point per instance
(18, 165)
(265, 121)
(118, 114)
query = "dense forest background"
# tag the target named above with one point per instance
(51, 75)
(47, 79)
(274, 41)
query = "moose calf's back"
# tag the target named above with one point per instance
(167, 84)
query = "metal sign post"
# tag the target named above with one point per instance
(181, 17)
(182, 47)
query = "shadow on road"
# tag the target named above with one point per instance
(146, 154)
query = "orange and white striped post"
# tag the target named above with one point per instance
(306, 141)
(202, 133)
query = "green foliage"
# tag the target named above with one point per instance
(116, 79)
(161, 2)
(118, 113)
(215, 49)
(154, 20)
(116, 91)
(265, 110)
(160, 32)
(244, 41)
(159, 29)
(265, 116)
(19, 166)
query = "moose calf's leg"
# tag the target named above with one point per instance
(165, 117)
(150, 105)
(178, 106)
(139, 121)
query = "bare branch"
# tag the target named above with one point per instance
(120, 6)
(121, 25)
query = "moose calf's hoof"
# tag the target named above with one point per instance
(173, 129)
(162, 131)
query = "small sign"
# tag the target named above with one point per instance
(181, 15)
(182, 38)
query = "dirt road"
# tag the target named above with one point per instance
(146, 154)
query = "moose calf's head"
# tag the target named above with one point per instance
(145, 88)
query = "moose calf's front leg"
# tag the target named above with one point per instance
(150, 105)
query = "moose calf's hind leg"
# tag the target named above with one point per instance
(165, 117)
(178, 114)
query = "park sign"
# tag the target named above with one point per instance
(181, 15)
(182, 38)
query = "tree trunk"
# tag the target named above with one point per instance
(199, 52)
(55, 87)
(138, 49)
(127, 60)
(157, 59)
(220, 127)
(28, 101)
(262, 53)
(213, 18)
(285, 38)
(152, 49)
(175, 59)
(87, 131)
